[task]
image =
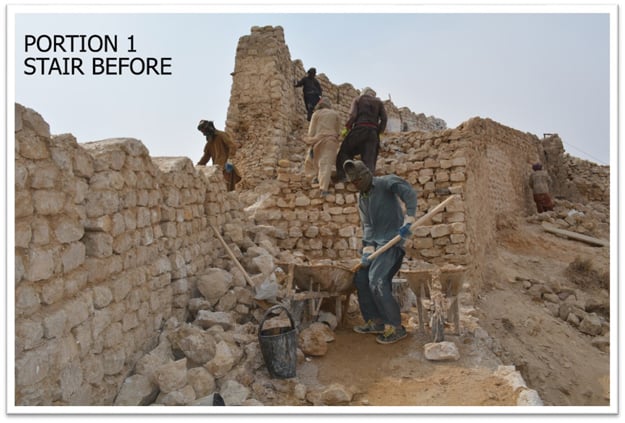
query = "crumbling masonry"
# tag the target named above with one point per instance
(110, 243)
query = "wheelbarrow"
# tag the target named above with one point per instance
(441, 285)
(315, 282)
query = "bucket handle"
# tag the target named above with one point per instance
(269, 311)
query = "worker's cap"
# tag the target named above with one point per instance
(205, 125)
(312, 71)
(537, 166)
(369, 91)
(355, 169)
(324, 103)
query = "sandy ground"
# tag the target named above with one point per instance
(554, 358)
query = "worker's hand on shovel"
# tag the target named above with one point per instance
(366, 252)
(405, 231)
(426, 218)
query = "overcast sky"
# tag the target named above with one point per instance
(535, 72)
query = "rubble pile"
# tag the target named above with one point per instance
(592, 219)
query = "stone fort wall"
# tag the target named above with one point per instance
(266, 114)
(107, 244)
(484, 162)
(109, 241)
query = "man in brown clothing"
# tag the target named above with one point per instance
(539, 182)
(367, 120)
(219, 147)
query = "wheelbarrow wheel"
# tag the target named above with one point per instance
(438, 327)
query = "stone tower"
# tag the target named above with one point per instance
(262, 104)
(266, 114)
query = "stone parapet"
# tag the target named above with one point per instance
(108, 242)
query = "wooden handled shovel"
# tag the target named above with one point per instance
(419, 222)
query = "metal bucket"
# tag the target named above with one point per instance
(279, 346)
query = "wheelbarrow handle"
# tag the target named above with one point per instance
(273, 310)
(419, 222)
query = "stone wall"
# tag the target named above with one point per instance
(476, 161)
(486, 163)
(431, 158)
(110, 243)
(259, 116)
(107, 244)
(266, 114)
(574, 179)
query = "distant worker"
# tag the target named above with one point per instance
(539, 182)
(312, 91)
(323, 134)
(382, 219)
(367, 120)
(220, 148)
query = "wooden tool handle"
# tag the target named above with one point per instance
(232, 256)
(419, 222)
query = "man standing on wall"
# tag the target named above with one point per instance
(539, 182)
(312, 91)
(367, 120)
(382, 218)
(323, 133)
(219, 147)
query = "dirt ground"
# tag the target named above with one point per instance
(554, 357)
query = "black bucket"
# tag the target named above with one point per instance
(279, 347)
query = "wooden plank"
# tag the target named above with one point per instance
(313, 295)
(289, 280)
(574, 235)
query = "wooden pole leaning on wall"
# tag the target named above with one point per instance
(232, 256)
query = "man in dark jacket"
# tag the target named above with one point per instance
(367, 120)
(312, 91)
(382, 218)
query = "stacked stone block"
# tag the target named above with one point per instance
(267, 116)
(329, 227)
(108, 243)
(478, 161)
(259, 110)
(591, 180)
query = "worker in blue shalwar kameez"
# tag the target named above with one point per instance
(382, 219)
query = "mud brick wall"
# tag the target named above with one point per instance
(499, 163)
